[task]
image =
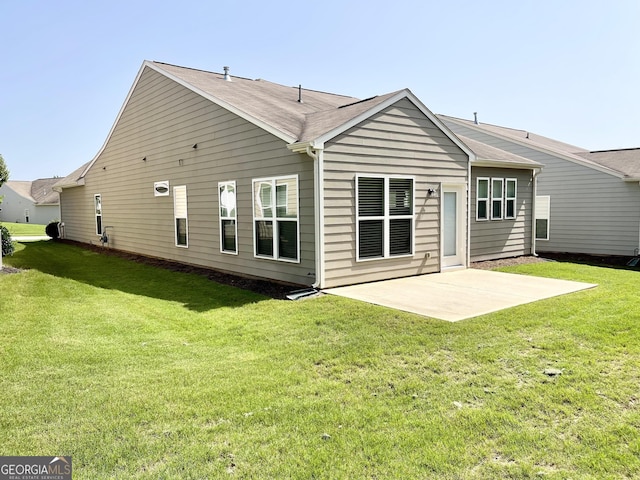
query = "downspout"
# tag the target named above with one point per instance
(536, 172)
(468, 215)
(318, 211)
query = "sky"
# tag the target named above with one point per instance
(567, 69)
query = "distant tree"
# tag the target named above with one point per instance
(4, 171)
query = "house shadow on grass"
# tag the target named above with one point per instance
(150, 277)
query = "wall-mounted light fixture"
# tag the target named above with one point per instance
(431, 192)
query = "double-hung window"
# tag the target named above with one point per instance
(497, 190)
(180, 215)
(482, 199)
(276, 219)
(384, 214)
(228, 223)
(97, 201)
(510, 189)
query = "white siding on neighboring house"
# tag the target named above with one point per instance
(591, 211)
(17, 205)
(399, 141)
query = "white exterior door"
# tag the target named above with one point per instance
(453, 226)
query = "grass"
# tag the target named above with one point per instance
(24, 229)
(139, 372)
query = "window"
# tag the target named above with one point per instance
(497, 185)
(276, 233)
(510, 190)
(543, 208)
(228, 224)
(384, 216)
(180, 215)
(482, 199)
(97, 200)
(496, 197)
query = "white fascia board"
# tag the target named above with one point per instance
(302, 147)
(496, 164)
(221, 103)
(574, 159)
(77, 183)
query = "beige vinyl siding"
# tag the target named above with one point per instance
(591, 211)
(397, 141)
(504, 238)
(161, 122)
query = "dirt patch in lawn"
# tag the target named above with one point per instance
(7, 270)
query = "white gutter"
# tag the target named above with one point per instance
(536, 172)
(468, 215)
(317, 153)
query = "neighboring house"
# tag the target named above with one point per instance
(295, 185)
(30, 202)
(587, 202)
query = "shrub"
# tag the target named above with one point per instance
(52, 230)
(7, 243)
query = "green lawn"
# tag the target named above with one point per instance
(138, 372)
(27, 229)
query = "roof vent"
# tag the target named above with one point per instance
(475, 118)
(227, 77)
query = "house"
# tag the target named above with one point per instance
(295, 185)
(587, 201)
(30, 201)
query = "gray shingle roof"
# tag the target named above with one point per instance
(625, 161)
(38, 191)
(273, 104)
(486, 154)
(43, 193)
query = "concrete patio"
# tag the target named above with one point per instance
(460, 294)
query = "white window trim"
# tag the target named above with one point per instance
(175, 217)
(95, 211)
(234, 218)
(497, 199)
(542, 212)
(485, 199)
(275, 219)
(386, 218)
(507, 198)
